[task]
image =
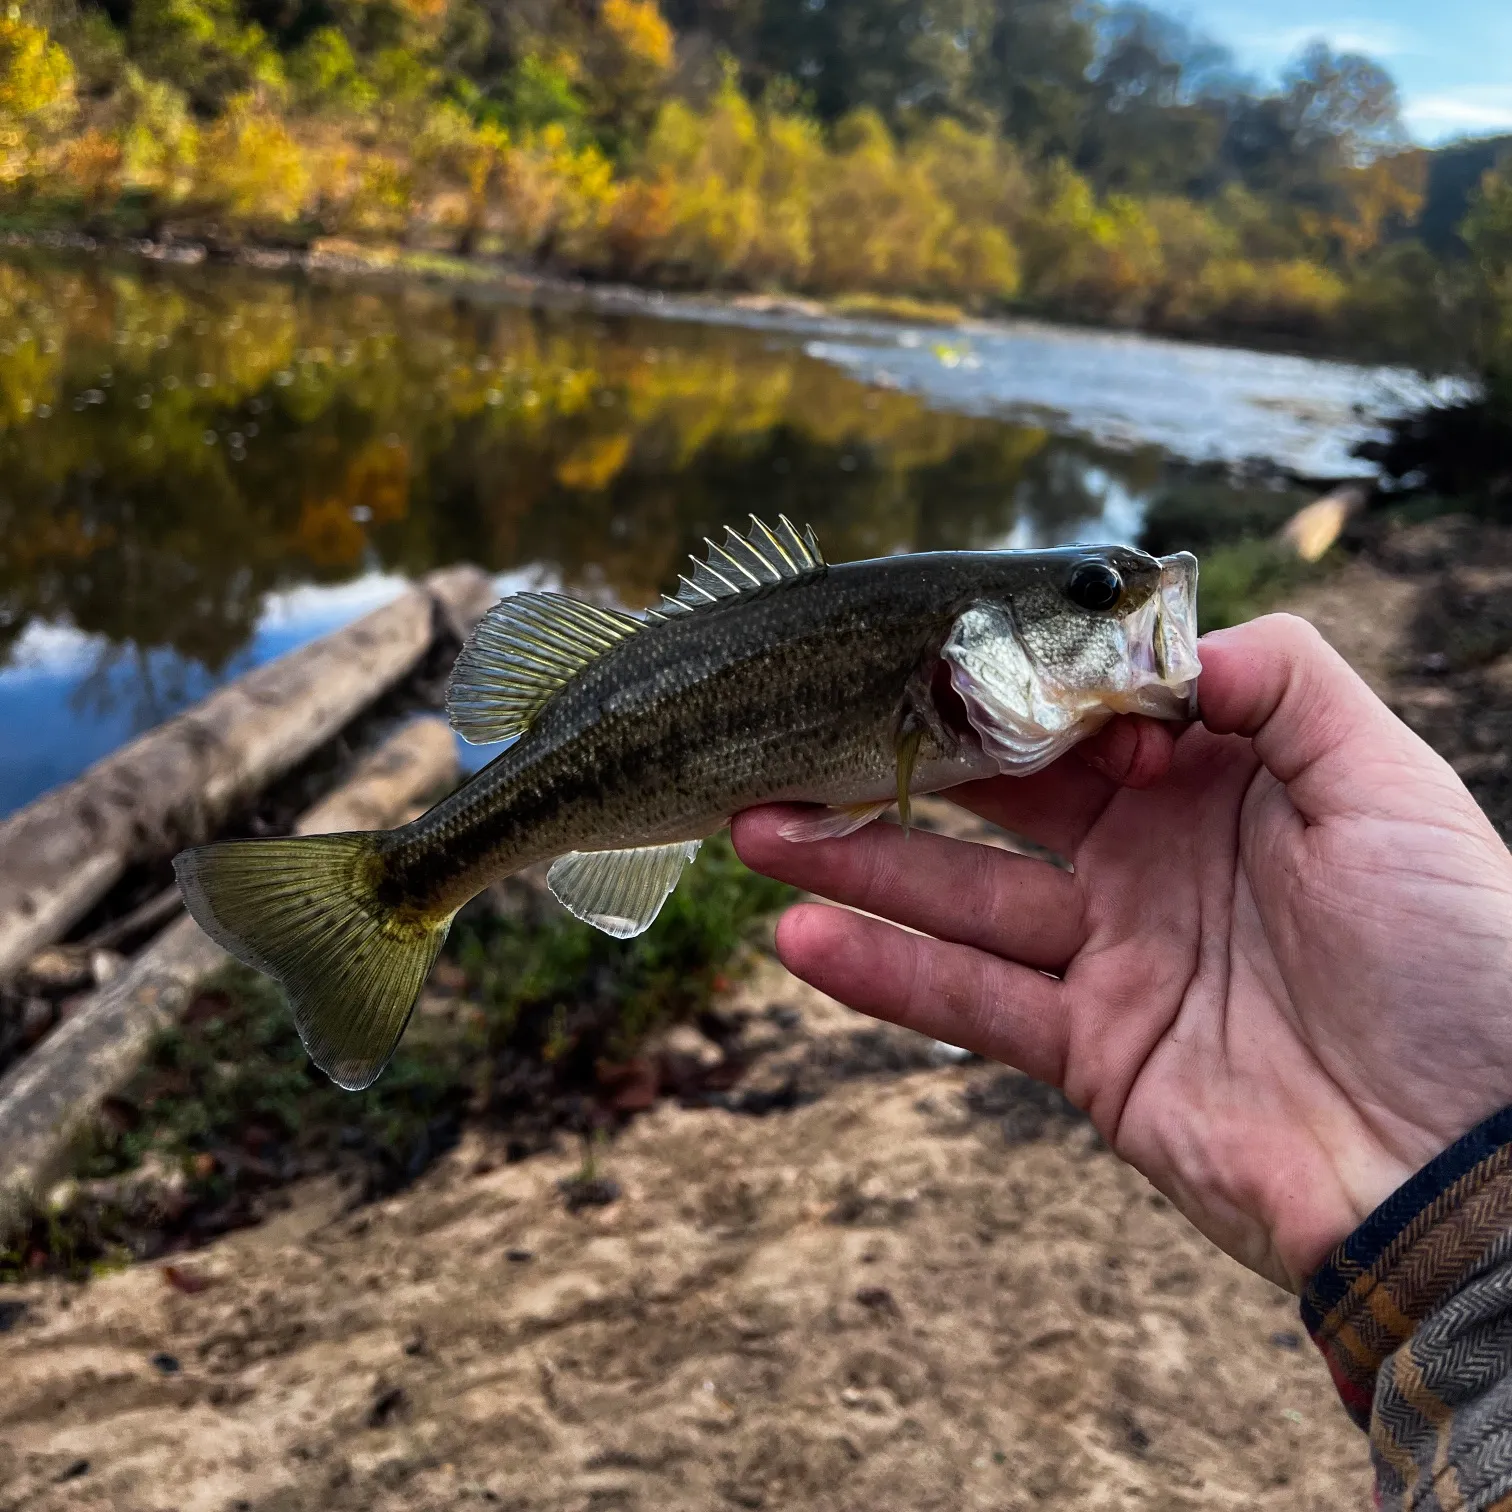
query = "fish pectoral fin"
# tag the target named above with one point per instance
(833, 823)
(520, 654)
(620, 891)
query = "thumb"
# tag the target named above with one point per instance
(1314, 722)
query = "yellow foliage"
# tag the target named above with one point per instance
(92, 166)
(159, 140)
(557, 198)
(626, 62)
(641, 32)
(252, 166)
(36, 77)
(594, 463)
(36, 91)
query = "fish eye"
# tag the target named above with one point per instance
(1094, 586)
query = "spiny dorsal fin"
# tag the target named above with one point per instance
(745, 564)
(522, 652)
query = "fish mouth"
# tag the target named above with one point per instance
(1161, 638)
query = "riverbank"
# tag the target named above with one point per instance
(345, 257)
(913, 1284)
(741, 1303)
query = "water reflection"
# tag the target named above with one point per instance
(177, 446)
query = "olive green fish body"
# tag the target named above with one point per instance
(798, 695)
(770, 676)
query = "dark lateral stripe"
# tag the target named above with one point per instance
(1409, 1257)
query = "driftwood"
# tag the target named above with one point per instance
(1316, 526)
(44, 1097)
(172, 786)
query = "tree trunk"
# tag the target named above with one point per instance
(44, 1097)
(174, 785)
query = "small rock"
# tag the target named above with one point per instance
(74, 1470)
(1286, 1338)
(389, 1402)
(11, 1313)
(105, 966)
(191, 1283)
(58, 969)
(878, 1299)
(783, 1016)
(684, 1039)
(415, 1344)
(588, 1191)
(165, 1363)
(519, 1256)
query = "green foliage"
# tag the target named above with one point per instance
(533, 94)
(204, 48)
(570, 995)
(325, 74)
(1248, 578)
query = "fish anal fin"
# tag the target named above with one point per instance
(762, 558)
(520, 654)
(832, 823)
(622, 891)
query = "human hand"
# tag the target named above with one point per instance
(1279, 980)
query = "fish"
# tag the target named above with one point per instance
(769, 675)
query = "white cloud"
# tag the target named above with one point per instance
(1463, 110)
(1383, 40)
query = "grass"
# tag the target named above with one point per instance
(226, 1107)
(900, 307)
(568, 997)
(1246, 578)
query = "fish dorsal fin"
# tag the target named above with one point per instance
(621, 891)
(746, 564)
(522, 652)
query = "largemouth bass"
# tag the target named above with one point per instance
(769, 676)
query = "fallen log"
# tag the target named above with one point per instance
(1316, 526)
(174, 785)
(46, 1096)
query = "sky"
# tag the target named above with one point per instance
(1452, 59)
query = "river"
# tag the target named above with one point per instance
(203, 467)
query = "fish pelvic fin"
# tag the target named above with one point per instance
(619, 891)
(523, 652)
(306, 911)
(762, 558)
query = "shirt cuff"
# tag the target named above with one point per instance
(1409, 1257)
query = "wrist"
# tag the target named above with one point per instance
(1408, 1257)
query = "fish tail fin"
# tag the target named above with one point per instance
(308, 912)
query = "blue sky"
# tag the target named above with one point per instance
(1451, 58)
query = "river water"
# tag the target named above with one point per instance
(201, 468)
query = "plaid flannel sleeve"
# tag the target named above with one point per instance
(1413, 1313)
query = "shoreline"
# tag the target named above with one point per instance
(859, 313)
